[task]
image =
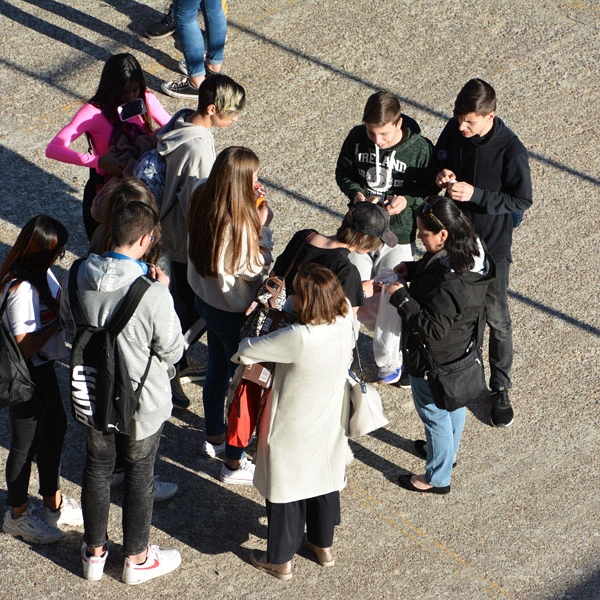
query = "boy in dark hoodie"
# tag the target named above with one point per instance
(386, 161)
(484, 167)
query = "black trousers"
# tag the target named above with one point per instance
(286, 525)
(38, 429)
(93, 185)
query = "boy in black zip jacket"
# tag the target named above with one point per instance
(484, 166)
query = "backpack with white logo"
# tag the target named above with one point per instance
(151, 168)
(102, 394)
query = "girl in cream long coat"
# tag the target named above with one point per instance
(301, 442)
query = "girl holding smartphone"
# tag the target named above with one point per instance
(121, 83)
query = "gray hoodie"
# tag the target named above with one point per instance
(102, 282)
(189, 151)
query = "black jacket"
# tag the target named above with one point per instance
(497, 165)
(443, 308)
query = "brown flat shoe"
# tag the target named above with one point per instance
(324, 555)
(259, 560)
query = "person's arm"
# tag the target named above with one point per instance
(21, 315)
(434, 319)
(516, 193)
(156, 109)
(167, 339)
(84, 120)
(346, 174)
(197, 163)
(282, 346)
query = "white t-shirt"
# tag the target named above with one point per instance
(26, 314)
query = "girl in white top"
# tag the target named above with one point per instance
(39, 424)
(229, 250)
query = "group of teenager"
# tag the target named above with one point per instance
(206, 244)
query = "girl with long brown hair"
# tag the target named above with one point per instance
(229, 248)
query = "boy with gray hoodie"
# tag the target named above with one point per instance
(102, 283)
(188, 147)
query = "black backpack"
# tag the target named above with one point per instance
(16, 385)
(102, 396)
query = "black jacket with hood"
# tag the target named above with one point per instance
(497, 165)
(440, 308)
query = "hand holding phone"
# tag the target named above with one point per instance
(131, 109)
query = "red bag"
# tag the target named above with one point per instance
(243, 413)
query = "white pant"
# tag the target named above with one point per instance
(369, 266)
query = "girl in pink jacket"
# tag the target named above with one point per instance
(112, 138)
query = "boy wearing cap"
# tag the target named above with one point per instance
(484, 166)
(386, 161)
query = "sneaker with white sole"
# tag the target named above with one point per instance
(193, 374)
(31, 527)
(213, 450)
(179, 89)
(164, 490)
(93, 566)
(158, 562)
(68, 513)
(243, 475)
(389, 376)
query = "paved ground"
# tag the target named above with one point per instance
(522, 520)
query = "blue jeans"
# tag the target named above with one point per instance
(138, 488)
(185, 13)
(498, 320)
(223, 334)
(443, 431)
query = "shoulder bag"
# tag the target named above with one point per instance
(362, 411)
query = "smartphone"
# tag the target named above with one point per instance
(131, 109)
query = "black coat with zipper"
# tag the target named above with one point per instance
(441, 309)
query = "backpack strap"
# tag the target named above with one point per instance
(121, 317)
(3, 307)
(128, 305)
(74, 302)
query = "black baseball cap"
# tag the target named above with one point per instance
(372, 220)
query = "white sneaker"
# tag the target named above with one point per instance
(213, 450)
(159, 562)
(68, 513)
(30, 527)
(164, 490)
(243, 475)
(93, 566)
(389, 376)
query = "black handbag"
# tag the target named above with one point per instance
(460, 382)
(16, 385)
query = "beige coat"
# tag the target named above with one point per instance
(301, 443)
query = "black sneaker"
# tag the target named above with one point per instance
(178, 397)
(162, 28)
(501, 414)
(180, 89)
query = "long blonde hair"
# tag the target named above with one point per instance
(225, 205)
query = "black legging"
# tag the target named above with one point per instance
(38, 428)
(89, 193)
